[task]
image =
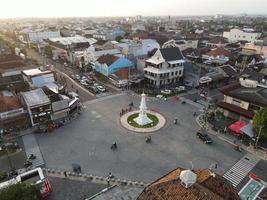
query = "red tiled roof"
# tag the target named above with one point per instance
(207, 186)
(236, 109)
(219, 52)
(227, 88)
(107, 59)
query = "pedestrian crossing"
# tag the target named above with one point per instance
(241, 169)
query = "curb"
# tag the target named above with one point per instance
(92, 178)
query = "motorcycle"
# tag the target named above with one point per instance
(148, 139)
(32, 157)
(114, 146)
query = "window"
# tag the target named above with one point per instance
(236, 102)
(180, 72)
(176, 73)
(172, 73)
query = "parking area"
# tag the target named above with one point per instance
(87, 141)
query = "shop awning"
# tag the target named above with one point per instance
(236, 127)
(248, 130)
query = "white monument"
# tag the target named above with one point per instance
(142, 118)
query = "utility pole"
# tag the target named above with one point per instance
(258, 137)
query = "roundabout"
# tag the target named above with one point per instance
(143, 120)
(146, 128)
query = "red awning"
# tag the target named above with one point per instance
(235, 127)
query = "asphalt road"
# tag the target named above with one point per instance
(87, 141)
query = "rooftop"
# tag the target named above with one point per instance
(8, 101)
(208, 186)
(107, 59)
(69, 40)
(35, 97)
(35, 72)
(10, 61)
(219, 52)
(257, 96)
(171, 54)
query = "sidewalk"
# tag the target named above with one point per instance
(231, 139)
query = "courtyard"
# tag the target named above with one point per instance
(87, 140)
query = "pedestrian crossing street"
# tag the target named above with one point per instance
(241, 169)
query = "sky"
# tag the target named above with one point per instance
(97, 8)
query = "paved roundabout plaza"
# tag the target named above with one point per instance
(86, 141)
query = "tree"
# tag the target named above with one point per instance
(260, 122)
(48, 51)
(118, 38)
(20, 191)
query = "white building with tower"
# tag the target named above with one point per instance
(165, 67)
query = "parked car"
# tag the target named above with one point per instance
(167, 92)
(204, 137)
(77, 77)
(101, 88)
(93, 89)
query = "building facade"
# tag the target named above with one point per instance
(38, 106)
(165, 67)
(235, 35)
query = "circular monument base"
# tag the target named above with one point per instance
(158, 126)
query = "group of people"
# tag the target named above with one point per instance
(129, 109)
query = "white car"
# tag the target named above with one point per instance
(166, 92)
(77, 77)
(101, 88)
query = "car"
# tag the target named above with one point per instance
(93, 89)
(160, 96)
(204, 137)
(101, 88)
(77, 77)
(180, 89)
(168, 92)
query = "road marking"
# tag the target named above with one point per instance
(241, 169)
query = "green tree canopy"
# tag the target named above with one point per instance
(118, 38)
(260, 120)
(20, 191)
(48, 51)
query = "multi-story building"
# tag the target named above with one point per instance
(37, 78)
(243, 99)
(164, 67)
(65, 47)
(38, 106)
(38, 36)
(182, 44)
(235, 35)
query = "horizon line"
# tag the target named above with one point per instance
(124, 16)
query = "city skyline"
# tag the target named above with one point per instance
(106, 8)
